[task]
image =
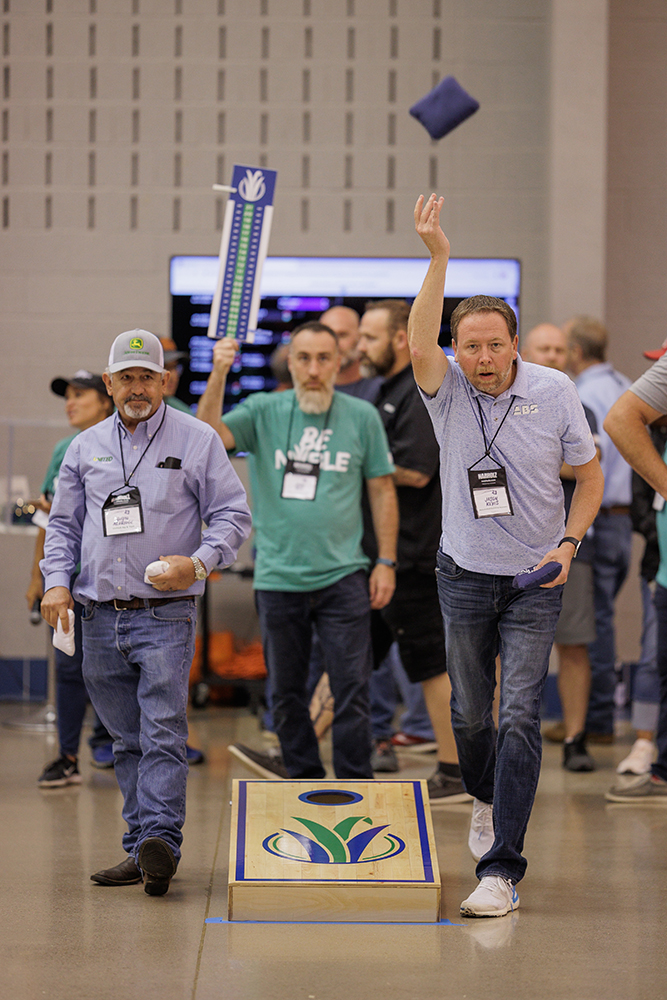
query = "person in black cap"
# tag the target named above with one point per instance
(86, 403)
(172, 363)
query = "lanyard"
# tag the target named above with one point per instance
(127, 478)
(488, 446)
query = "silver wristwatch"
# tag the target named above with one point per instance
(200, 569)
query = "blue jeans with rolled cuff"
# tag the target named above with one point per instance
(136, 666)
(341, 615)
(484, 615)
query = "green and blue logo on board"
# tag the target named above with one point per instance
(337, 845)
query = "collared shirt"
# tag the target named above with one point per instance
(599, 386)
(545, 426)
(174, 503)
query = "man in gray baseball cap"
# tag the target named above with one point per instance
(147, 474)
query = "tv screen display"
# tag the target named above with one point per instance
(297, 289)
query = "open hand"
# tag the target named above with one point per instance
(427, 224)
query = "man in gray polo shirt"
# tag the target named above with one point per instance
(627, 423)
(505, 428)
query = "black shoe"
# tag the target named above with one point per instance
(269, 765)
(194, 756)
(126, 873)
(383, 758)
(157, 862)
(60, 772)
(443, 790)
(575, 755)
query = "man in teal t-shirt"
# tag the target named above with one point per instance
(311, 450)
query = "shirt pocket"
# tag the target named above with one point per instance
(167, 492)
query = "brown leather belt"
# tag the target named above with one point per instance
(618, 509)
(140, 602)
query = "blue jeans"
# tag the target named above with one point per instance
(341, 615)
(483, 616)
(389, 685)
(136, 666)
(72, 697)
(660, 600)
(646, 682)
(613, 543)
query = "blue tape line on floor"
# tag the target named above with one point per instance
(342, 923)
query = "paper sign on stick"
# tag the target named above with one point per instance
(243, 247)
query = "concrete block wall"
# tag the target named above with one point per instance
(116, 116)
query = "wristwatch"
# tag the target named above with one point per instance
(575, 541)
(381, 561)
(200, 569)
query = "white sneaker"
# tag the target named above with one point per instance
(494, 897)
(639, 759)
(481, 836)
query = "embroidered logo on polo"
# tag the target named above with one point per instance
(334, 845)
(103, 458)
(524, 409)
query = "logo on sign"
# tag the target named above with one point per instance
(334, 845)
(252, 186)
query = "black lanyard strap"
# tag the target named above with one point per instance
(488, 446)
(291, 418)
(127, 478)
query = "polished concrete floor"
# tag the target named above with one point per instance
(592, 923)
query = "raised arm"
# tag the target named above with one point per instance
(627, 425)
(429, 362)
(210, 404)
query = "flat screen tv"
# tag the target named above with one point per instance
(297, 289)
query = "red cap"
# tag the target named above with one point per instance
(654, 355)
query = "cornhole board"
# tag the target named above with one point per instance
(333, 851)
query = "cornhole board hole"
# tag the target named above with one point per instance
(333, 851)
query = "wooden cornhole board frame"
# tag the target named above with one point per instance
(298, 853)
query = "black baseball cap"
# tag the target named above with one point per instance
(81, 380)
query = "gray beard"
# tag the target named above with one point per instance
(139, 410)
(313, 400)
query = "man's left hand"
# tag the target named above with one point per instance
(563, 555)
(179, 576)
(381, 585)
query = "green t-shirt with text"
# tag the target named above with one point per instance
(306, 545)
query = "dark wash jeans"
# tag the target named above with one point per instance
(484, 615)
(341, 615)
(659, 769)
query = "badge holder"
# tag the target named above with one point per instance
(489, 492)
(122, 513)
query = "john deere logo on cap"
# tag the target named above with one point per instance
(136, 343)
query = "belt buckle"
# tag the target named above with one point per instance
(115, 605)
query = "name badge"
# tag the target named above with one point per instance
(122, 513)
(300, 480)
(489, 493)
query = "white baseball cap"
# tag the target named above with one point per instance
(136, 349)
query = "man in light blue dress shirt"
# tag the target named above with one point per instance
(132, 488)
(599, 386)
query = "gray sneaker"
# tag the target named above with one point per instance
(645, 788)
(444, 790)
(383, 757)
